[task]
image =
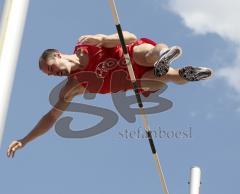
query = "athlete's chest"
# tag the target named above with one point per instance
(105, 63)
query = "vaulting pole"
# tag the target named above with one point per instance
(11, 30)
(139, 100)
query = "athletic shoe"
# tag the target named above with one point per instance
(190, 73)
(161, 66)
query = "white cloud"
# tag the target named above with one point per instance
(232, 73)
(217, 16)
(214, 16)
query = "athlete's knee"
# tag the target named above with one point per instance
(155, 51)
(161, 46)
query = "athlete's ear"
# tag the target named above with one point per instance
(58, 55)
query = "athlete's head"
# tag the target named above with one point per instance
(51, 62)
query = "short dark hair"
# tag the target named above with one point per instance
(48, 53)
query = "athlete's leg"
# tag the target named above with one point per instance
(147, 54)
(159, 56)
(154, 54)
(177, 76)
(171, 76)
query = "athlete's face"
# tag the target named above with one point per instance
(57, 66)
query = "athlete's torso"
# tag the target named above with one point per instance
(106, 69)
(107, 65)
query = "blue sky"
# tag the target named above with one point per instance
(108, 163)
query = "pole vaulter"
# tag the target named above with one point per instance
(83, 61)
(139, 100)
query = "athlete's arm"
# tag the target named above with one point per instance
(111, 41)
(47, 121)
(108, 41)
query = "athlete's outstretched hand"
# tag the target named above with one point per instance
(13, 147)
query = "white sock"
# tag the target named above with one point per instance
(163, 51)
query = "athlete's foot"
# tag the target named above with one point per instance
(161, 66)
(190, 73)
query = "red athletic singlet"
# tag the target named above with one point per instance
(107, 71)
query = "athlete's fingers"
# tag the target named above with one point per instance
(10, 147)
(13, 153)
(14, 150)
(13, 147)
(10, 153)
(17, 146)
(13, 143)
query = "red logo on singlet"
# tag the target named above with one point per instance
(104, 67)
